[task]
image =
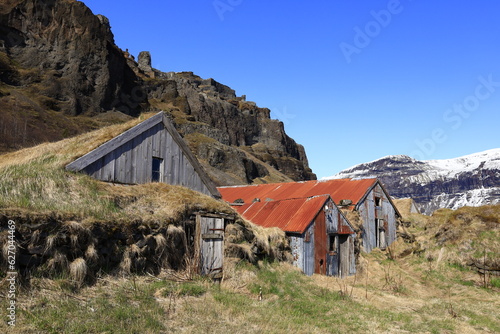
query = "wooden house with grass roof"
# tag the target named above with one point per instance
(152, 151)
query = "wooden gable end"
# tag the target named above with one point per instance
(151, 151)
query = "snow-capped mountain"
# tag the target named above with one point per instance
(471, 180)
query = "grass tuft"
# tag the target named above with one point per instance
(78, 271)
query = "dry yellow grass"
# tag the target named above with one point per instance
(69, 149)
(35, 179)
(78, 271)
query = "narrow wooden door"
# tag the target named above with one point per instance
(344, 258)
(212, 246)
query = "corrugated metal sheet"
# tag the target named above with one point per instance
(290, 215)
(338, 190)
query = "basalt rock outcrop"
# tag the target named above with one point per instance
(60, 71)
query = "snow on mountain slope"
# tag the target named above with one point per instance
(471, 180)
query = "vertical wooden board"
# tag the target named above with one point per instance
(139, 160)
(188, 173)
(143, 161)
(220, 253)
(320, 243)
(167, 162)
(191, 176)
(206, 246)
(174, 168)
(161, 143)
(344, 252)
(352, 258)
(180, 167)
(135, 160)
(390, 218)
(108, 168)
(121, 162)
(333, 259)
(180, 179)
(129, 165)
(309, 252)
(148, 155)
(155, 140)
(297, 249)
(368, 216)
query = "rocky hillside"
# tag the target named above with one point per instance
(62, 74)
(471, 180)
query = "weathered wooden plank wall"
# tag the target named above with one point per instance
(369, 213)
(131, 163)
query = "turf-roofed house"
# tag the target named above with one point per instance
(321, 238)
(153, 151)
(365, 198)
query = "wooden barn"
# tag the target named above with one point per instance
(367, 197)
(321, 238)
(152, 151)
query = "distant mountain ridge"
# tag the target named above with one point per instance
(470, 180)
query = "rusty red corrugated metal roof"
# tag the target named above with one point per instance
(338, 189)
(290, 215)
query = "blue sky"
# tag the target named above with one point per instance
(353, 81)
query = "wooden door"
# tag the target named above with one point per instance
(344, 255)
(212, 246)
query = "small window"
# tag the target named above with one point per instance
(157, 171)
(332, 243)
(378, 201)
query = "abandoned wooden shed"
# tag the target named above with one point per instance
(321, 238)
(368, 197)
(152, 151)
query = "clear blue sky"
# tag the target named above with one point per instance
(353, 81)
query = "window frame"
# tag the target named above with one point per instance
(157, 174)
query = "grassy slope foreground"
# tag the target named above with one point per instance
(423, 287)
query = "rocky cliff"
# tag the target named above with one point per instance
(471, 180)
(61, 73)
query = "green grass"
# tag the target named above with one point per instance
(42, 186)
(126, 311)
(292, 303)
(194, 289)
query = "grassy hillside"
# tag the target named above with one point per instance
(413, 287)
(426, 282)
(387, 296)
(34, 180)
